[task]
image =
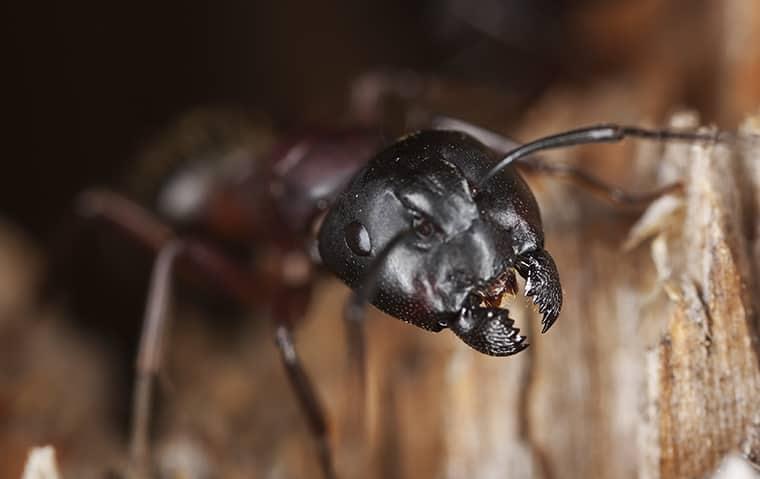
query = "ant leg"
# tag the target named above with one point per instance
(240, 284)
(353, 319)
(379, 96)
(306, 394)
(610, 192)
(126, 214)
(157, 317)
(186, 256)
(535, 164)
(149, 231)
(499, 143)
(149, 354)
(354, 314)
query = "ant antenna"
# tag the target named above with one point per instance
(354, 315)
(368, 282)
(610, 133)
(354, 309)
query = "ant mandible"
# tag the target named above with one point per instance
(431, 229)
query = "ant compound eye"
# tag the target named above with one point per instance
(357, 239)
(423, 227)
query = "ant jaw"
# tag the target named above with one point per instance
(541, 284)
(488, 330)
(486, 327)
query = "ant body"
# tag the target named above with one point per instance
(430, 229)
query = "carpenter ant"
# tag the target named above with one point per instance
(430, 229)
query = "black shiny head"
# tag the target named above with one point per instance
(454, 248)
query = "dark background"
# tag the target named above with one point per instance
(88, 83)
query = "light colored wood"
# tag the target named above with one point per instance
(652, 370)
(704, 379)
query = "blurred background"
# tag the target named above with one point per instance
(90, 84)
(92, 90)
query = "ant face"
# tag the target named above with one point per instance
(442, 252)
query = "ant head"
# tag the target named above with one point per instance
(438, 251)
